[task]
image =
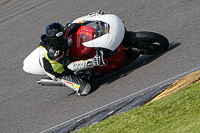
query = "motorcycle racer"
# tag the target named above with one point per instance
(55, 61)
(100, 41)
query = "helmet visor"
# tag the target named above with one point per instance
(59, 42)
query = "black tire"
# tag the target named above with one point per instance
(153, 42)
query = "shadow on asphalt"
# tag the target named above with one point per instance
(141, 61)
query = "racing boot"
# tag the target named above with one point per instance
(81, 87)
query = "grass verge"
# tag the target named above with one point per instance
(176, 113)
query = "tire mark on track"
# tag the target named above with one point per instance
(13, 16)
(12, 8)
(5, 2)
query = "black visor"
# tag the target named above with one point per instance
(59, 42)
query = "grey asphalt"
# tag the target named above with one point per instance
(26, 107)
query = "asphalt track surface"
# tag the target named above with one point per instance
(27, 107)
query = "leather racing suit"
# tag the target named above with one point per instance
(59, 66)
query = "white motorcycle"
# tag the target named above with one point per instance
(105, 35)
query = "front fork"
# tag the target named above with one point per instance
(132, 44)
(135, 50)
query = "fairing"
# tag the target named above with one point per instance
(110, 40)
(31, 63)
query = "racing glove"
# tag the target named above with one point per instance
(83, 64)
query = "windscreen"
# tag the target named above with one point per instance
(98, 28)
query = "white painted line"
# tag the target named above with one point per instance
(78, 117)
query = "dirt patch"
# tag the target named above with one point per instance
(179, 84)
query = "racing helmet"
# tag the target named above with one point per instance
(56, 34)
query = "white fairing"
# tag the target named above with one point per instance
(31, 63)
(110, 40)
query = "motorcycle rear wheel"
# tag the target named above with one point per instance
(153, 43)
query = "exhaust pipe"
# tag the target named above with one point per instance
(49, 82)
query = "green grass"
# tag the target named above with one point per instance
(176, 113)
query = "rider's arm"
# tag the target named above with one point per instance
(72, 27)
(84, 64)
(43, 40)
(60, 57)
